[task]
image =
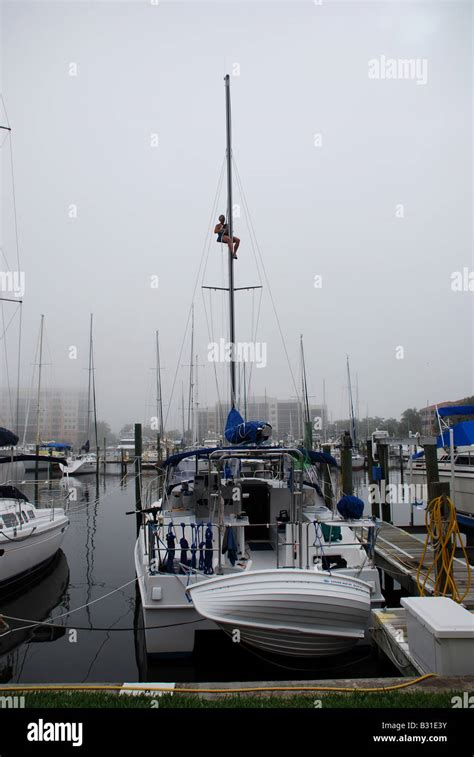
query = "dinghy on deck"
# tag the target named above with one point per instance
(296, 613)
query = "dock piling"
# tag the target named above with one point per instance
(346, 464)
(138, 472)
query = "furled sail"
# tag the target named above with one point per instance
(238, 431)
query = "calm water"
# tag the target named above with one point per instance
(97, 558)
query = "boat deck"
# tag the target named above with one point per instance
(262, 554)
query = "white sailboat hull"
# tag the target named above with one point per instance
(296, 613)
(78, 467)
(358, 462)
(36, 542)
(463, 485)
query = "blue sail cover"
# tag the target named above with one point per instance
(238, 431)
(456, 410)
(7, 438)
(463, 435)
(319, 457)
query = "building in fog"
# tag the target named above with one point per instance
(289, 424)
(62, 417)
(206, 424)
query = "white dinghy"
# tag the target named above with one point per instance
(291, 612)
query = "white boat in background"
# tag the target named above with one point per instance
(298, 612)
(358, 461)
(455, 460)
(77, 466)
(29, 536)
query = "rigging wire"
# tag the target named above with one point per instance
(251, 228)
(178, 363)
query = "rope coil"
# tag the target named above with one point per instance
(444, 534)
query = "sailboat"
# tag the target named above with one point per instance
(357, 459)
(86, 461)
(242, 540)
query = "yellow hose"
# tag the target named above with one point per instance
(247, 690)
(443, 535)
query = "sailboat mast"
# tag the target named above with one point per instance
(307, 428)
(159, 403)
(324, 413)
(196, 405)
(89, 384)
(191, 387)
(231, 235)
(39, 382)
(351, 405)
(92, 378)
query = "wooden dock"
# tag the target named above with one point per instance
(399, 553)
(389, 631)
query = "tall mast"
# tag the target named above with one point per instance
(351, 406)
(182, 409)
(39, 382)
(159, 403)
(196, 405)
(324, 413)
(191, 387)
(89, 384)
(91, 380)
(307, 428)
(245, 391)
(231, 235)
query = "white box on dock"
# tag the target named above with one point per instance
(440, 635)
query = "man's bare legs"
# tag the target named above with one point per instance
(232, 247)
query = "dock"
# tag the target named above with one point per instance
(399, 553)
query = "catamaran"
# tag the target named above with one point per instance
(247, 538)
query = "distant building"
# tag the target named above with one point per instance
(63, 414)
(206, 424)
(289, 423)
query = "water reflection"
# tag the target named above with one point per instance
(34, 600)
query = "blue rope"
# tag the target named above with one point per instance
(208, 569)
(170, 553)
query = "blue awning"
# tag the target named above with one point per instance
(55, 445)
(456, 410)
(463, 435)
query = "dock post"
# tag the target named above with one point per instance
(328, 492)
(138, 473)
(384, 464)
(37, 473)
(375, 505)
(97, 473)
(105, 453)
(50, 455)
(401, 463)
(346, 464)
(441, 489)
(432, 473)
(123, 470)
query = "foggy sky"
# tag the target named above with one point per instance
(328, 210)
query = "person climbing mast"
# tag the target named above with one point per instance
(222, 231)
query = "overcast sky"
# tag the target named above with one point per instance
(355, 169)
